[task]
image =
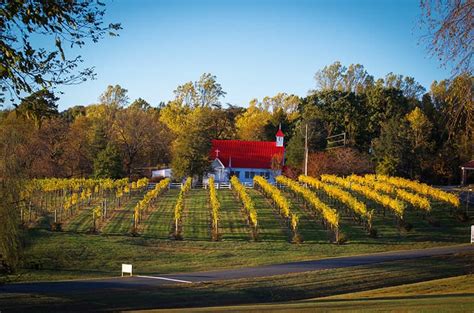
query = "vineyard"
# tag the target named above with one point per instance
(307, 210)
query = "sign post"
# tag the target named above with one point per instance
(127, 269)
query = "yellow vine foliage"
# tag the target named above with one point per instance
(248, 203)
(418, 187)
(393, 204)
(280, 201)
(414, 199)
(179, 207)
(330, 215)
(339, 194)
(215, 205)
(148, 197)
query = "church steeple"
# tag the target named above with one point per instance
(279, 137)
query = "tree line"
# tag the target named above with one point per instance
(392, 126)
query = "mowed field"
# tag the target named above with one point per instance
(77, 253)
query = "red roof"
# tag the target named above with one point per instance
(245, 154)
(469, 164)
(280, 133)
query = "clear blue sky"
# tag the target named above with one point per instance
(255, 48)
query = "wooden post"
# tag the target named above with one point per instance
(105, 208)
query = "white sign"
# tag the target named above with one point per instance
(472, 234)
(127, 269)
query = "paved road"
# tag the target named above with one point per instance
(258, 271)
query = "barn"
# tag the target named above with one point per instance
(246, 159)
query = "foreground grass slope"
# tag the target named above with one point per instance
(318, 284)
(454, 294)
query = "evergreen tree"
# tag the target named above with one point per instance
(108, 163)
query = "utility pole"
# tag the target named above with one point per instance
(306, 151)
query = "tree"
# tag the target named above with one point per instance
(392, 149)
(39, 106)
(341, 161)
(141, 137)
(223, 122)
(193, 117)
(108, 163)
(14, 151)
(251, 124)
(338, 77)
(419, 135)
(78, 148)
(49, 147)
(408, 85)
(114, 96)
(73, 112)
(454, 100)
(27, 67)
(295, 150)
(205, 92)
(141, 104)
(191, 147)
(449, 27)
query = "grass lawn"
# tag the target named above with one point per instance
(233, 225)
(271, 227)
(120, 220)
(161, 220)
(196, 216)
(316, 286)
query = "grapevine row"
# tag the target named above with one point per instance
(343, 196)
(414, 199)
(395, 205)
(248, 203)
(279, 201)
(329, 215)
(215, 208)
(179, 208)
(418, 187)
(144, 204)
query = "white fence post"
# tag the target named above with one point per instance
(472, 234)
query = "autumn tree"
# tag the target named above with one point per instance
(191, 147)
(14, 154)
(142, 138)
(192, 118)
(419, 135)
(251, 124)
(38, 106)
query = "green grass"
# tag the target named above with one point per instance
(293, 287)
(82, 222)
(233, 225)
(453, 294)
(120, 220)
(309, 226)
(196, 217)
(271, 226)
(160, 223)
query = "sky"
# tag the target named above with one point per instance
(254, 48)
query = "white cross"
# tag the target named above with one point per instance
(217, 153)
